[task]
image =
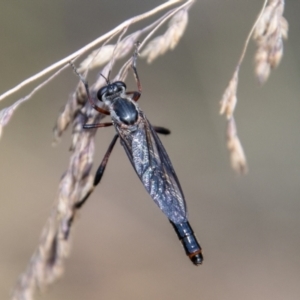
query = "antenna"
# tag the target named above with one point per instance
(106, 79)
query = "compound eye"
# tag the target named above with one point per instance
(120, 84)
(101, 92)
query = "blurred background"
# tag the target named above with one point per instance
(123, 246)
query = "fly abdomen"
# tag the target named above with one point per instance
(189, 242)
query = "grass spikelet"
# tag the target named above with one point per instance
(237, 155)
(229, 98)
(269, 33)
(161, 44)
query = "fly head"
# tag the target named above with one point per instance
(111, 91)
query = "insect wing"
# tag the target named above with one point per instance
(172, 179)
(154, 168)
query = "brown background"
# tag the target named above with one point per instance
(123, 247)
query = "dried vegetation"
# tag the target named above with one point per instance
(268, 32)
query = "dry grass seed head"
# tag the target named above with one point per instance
(229, 98)
(269, 33)
(104, 54)
(47, 263)
(169, 40)
(237, 155)
(70, 110)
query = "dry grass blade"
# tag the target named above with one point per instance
(7, 112)
(269, 33)
(89, 46)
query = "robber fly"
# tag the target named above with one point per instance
(146, 154)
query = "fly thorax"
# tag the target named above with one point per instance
(125, 111)
(108, 100)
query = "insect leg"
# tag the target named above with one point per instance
(99, 109)
(189, 242)
(162, 130)
(136, 95)
(82, 79)
(99, 172)
(91, 126)
(133, 66)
